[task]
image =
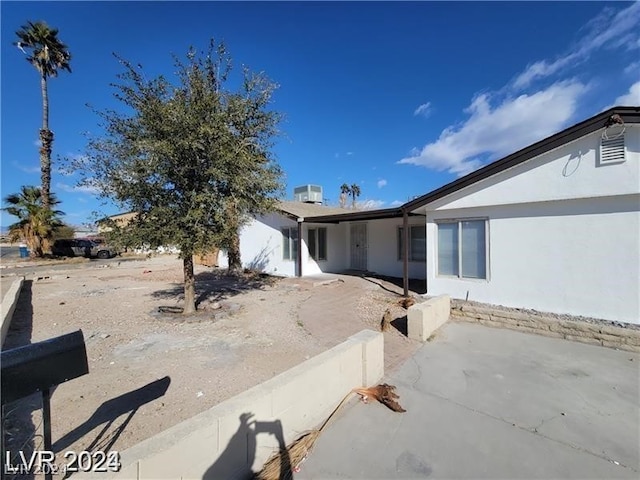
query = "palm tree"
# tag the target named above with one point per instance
(35, 222)
(345, 190)
(48, 55)
(355, 193)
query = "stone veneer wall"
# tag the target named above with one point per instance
(592, 332)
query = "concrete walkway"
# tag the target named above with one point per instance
(492, 403)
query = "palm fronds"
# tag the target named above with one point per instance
(384, 393)
(385, 324)
(282, 464)
(406, 302)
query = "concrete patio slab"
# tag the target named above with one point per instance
(491, 403)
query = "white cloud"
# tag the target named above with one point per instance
(382, 183)
(27, 169)
(493, 131)
(82, 189)
(631, 98)
(396, 203)
(632, 67)
(370, 204)
(424, 110)
(349, 153)
(607, 30)
(539, 101)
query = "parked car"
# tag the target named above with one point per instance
(79, 247)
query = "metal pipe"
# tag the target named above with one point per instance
(46, 423)
(299, 254)
(405, 252)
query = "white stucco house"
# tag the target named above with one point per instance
(553, 227)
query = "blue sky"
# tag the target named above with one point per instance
(399, 98)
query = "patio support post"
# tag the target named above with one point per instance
(299, 254)
(405, 252)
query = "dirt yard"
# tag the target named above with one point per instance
(150, 370)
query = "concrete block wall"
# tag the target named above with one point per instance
(578, 331)
(425, 318)
(238, 435)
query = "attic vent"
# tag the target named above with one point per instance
(612, 147)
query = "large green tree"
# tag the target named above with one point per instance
(191, 157)
(48, 55)
(35, 221)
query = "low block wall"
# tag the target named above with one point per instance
(9, 303)
(575, 330)
(425, 318)
(237, 436)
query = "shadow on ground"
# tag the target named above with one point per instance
(214, 286)
(400, 324)
(415, 285)
(108, 413)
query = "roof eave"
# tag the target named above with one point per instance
(590, 125)
(356, 216)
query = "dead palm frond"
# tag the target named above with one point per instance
(297, 452)
(406, 302)
(383, 393)
(385, 324)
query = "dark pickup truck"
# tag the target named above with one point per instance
(78, 247)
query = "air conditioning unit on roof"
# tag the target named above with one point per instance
(308, 194)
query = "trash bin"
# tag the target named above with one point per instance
(24, 253)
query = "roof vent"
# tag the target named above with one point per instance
(308, 194)
(612, 145)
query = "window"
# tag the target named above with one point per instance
(289, 243)
(417, 243)
(462, 249)
(317, 241)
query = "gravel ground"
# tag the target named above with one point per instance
(150, 370)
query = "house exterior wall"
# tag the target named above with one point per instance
(261, 247)
(337, 254)
(571, 171)
(382, 254)
(563, 234)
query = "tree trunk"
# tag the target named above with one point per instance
(46, 246)
(189, 286)
(34, 244)
(233, 249)
(235, 263)
(46, 143)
